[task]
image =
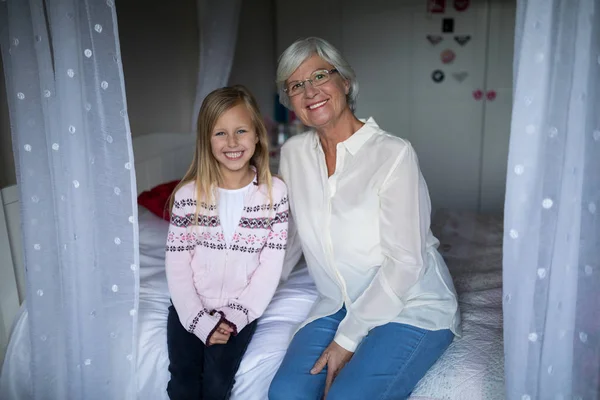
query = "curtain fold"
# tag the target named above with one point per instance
(552, 225)
(76, 177)
(218, 26)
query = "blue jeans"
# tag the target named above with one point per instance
(388, 363)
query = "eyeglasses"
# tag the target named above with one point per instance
(317, 78)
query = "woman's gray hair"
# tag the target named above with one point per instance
(300, 51)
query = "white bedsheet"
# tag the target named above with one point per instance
(289, 307)
(471, 369)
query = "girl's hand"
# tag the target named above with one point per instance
(221, 335)
(335, 357)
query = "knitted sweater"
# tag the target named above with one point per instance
(211, 282)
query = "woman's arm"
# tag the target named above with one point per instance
(179, 252)
(404, 220)
(255, 298)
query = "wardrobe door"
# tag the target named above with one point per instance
(446, 117)
(498, 107)
(386, 42)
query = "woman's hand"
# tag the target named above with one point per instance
(335, 357)
(221, 335)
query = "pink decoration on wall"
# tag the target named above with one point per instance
(447, 56)
(436, 6)
(461, 5)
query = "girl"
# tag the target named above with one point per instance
(225, 246)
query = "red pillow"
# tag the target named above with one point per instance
(156, 199)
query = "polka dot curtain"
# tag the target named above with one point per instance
(218, 27)
(552, 211)
(74, 159)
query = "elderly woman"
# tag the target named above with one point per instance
(387, 308)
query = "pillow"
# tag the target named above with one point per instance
(156, 199)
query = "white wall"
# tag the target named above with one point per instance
(159, 48)
(255, 59)
(497, 122)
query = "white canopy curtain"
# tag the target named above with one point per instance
(218, 25)
(552, 211)
(76, 178)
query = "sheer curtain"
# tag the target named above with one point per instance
(72, 147)
(218, 25)
(552, 213)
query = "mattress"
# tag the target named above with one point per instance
(470, 369)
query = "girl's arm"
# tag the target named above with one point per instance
(255, 298)
(179, 253)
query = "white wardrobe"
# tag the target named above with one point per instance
(459, 126)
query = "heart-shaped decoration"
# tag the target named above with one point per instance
(436, 6)
(491, 95)
(461, 5)
(434, 39)
(477, 94)
(460, 76)
(462, 39)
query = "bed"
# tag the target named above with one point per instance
(471, 369)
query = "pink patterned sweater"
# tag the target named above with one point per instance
(211, 282)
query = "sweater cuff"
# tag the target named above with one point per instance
(346, 342)
(236, 316)
(204, 325)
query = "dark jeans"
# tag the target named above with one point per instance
(200, 372)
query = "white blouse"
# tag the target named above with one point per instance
(365, 235)
(231, 204)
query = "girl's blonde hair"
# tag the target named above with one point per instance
(204, 169)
